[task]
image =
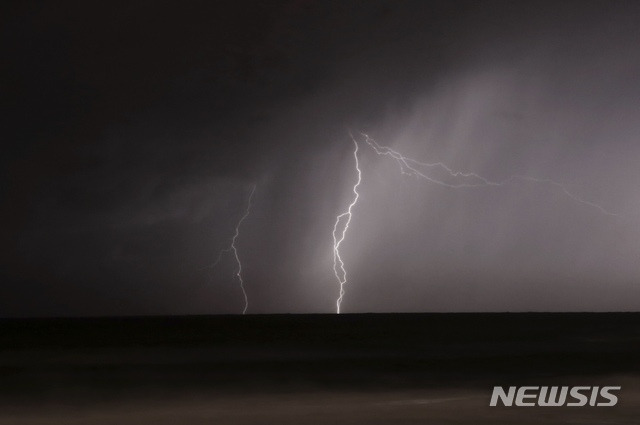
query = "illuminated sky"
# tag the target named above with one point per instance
(134, 132)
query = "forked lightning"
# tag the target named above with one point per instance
(411, 167)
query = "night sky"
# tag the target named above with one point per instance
(132, 133)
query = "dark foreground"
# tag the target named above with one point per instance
(313, 369)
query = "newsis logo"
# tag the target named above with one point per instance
(555, 396)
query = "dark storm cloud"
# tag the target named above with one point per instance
(134, 131)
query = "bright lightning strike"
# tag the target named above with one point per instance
(233, 248)
(345, 217)
(409, 166)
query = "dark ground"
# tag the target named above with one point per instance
(351, 369)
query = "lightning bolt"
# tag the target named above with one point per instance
(234, 249)
(338, 264)
(408, 167)
(411, 167)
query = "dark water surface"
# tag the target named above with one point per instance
(280, 369)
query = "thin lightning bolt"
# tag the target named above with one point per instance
(408, 166)
(233, 248)
(338, 264)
